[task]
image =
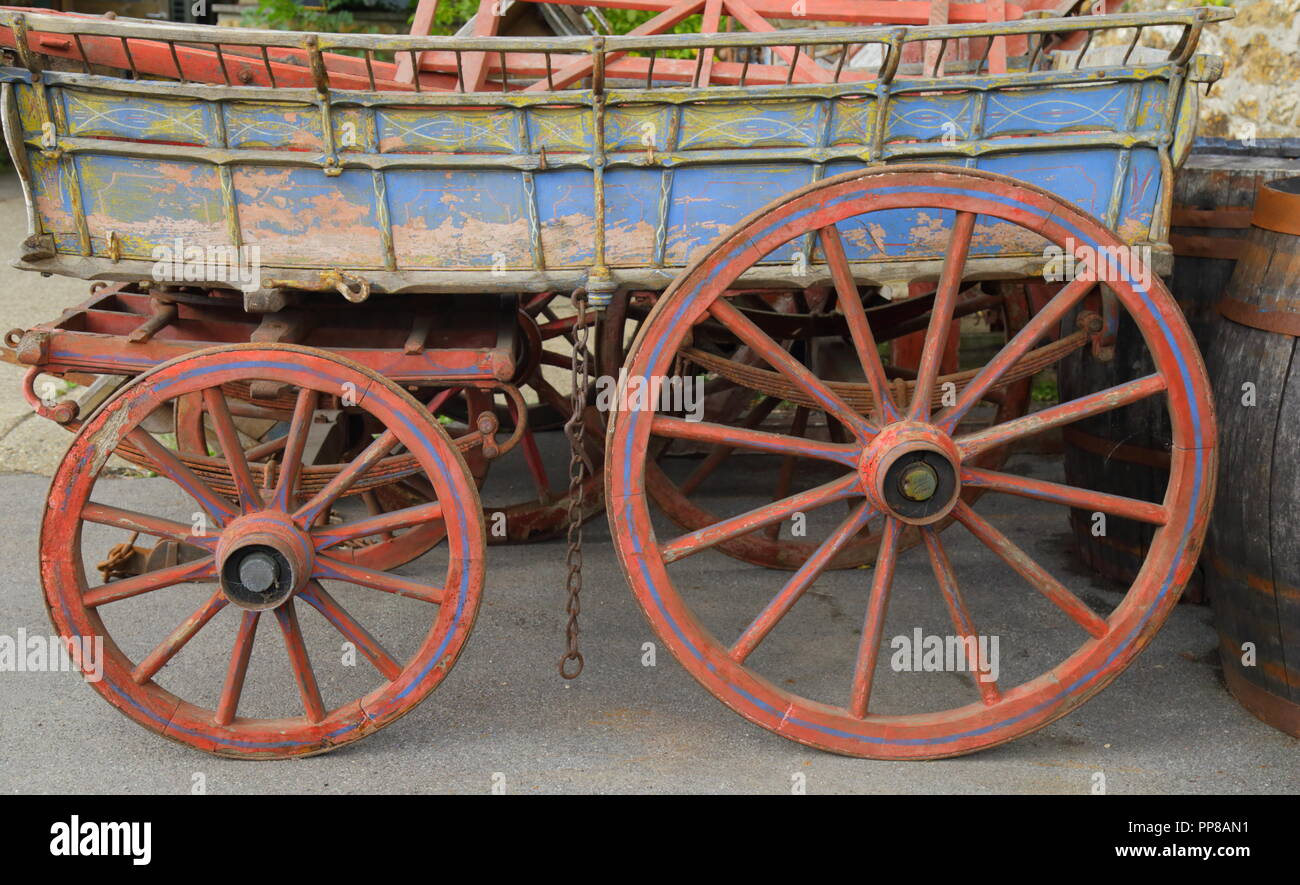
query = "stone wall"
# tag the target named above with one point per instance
(1259, 95)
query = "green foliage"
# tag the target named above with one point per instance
(624, 20)
(1043, 388)
(451, 15)
(287, 15)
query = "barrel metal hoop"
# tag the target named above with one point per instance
(1280, 321)
(1111, 450)
(1193, 246)
(1277, 711)
(1277, 209)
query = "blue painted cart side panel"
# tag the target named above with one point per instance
(684, 173)
(148, 202)
(301, 218)
(708, 200)
(459, 219)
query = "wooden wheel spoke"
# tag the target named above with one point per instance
(566, 327)
(532, 455)
(150, 581)
(781, 360)
(291, 463)
(1031, 571)
(1042, 322)
(720, 453)
(785, 476)
(315, 596)
(941, 315)
(1083, 499)
(237, 670)
(864, 340)
(538, 301)
(563, 404)
(374, 508)
(175, 641)
(328, 567)
(556, 328)
(536, 466)
(343, 480)
(799, 582)
(568, 331)
(873, 627)
(759, 440)
(961, 620)
(312, 705)
(266, 449)
(418, 514)
(166, 462)
(845, 487)
(439, 400)
(231, 448)
(1076, 409)
(547, 393)
(145, 524)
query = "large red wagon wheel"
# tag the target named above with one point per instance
(906, 467)
(775, 546)
(266, 552)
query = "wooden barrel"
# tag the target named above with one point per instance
(1214, 195)
(1253, 552)
(1126, 452)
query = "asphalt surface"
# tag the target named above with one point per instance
(504, 716)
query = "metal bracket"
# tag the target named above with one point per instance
(600, 288)
(61, 412)
(352, 287)
(39, 247)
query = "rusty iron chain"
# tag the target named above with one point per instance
(574, 428)
(115, 564)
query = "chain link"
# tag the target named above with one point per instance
(572, 663)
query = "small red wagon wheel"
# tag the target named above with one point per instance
(215, 681)
(809, 676)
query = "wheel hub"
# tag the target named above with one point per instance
(263, 559)
(918, 482)
(910, 472)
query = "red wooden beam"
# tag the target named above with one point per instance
(808, 71)
(525, 66)
(576, 70)
(710, 24)
(421, 26)
(486, 23)
(939, 12)
(862, 12)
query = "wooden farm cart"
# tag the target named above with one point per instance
(307, 293)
